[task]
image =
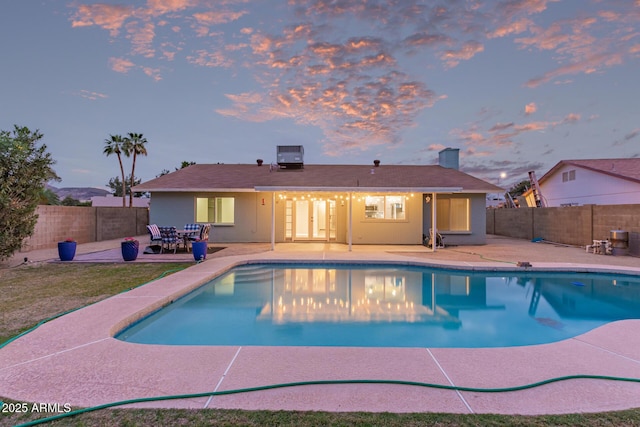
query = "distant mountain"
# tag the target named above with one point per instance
(82, 194)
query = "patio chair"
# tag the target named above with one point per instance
(203, 235)
(154, 234)
(169, 238)
(204, 232)
(190, 232)
(439, 239)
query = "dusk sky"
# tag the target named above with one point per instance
(516, 85)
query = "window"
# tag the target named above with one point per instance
(217, 210)
(453, 214)
(569, 176)
(385, 207)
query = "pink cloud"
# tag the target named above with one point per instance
(436, 147)
(212, 59)
(586, 66)
(161, 7)
(154, 73)
(530, 108)
(109, 17)
(141, 35)
(509, 28)
(218, 17)
(467, 51)
(120, 65)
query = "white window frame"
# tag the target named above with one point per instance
(388, 211)
(209, 210)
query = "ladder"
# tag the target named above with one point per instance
(509, 200)
(535, 189)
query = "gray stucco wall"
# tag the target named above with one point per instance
(477, 234)
(252, 218)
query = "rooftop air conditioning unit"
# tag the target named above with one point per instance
(290, 156)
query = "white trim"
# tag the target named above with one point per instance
(434, 230)
(273, 221)
(367, 189)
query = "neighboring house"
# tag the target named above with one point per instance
(293, 201)
(596, 182)
(112, 201)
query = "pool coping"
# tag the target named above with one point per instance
(75, 359)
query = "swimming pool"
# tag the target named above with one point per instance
(388, 306)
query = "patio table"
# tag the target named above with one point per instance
(185, 235)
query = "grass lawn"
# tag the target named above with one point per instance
(30, 294)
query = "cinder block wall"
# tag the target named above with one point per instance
(615, 217)
(517, 223)
(569, 225)
(84, 224)
(575, 225)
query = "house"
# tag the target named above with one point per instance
(352, 204)
(112, 201)
(595, 181)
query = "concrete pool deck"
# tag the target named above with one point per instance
(75, 359)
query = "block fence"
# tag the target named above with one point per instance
(574, 225)
(84, 224)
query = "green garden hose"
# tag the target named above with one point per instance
(324, 382)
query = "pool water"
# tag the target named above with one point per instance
(388, 306)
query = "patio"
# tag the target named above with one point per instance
(75, 359)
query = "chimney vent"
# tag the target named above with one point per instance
(376, 163)
(259, 162)
(449, 158)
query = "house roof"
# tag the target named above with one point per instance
(627, 169)
(250, 177)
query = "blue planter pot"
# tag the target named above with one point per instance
(66, 250)
(199, 250)
(129, 250)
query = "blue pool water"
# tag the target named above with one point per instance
(388, 306)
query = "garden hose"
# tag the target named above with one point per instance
(324, 382)
(483, 257)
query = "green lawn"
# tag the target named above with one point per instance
(30, 294)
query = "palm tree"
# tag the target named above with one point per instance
(115, 144)
(134, 144)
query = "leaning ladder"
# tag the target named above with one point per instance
(509, 200)
(535, 189)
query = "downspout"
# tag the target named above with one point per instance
(434, 232)
(273, 221)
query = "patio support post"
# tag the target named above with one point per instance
(350, 209)
(434, 231)
(273, 220)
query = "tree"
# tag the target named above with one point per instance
(183, 165)
(115, 184)
(519, 188)
(70, 201)
(25, 168)
(134, 144)
(48, 197)
(114, 145)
